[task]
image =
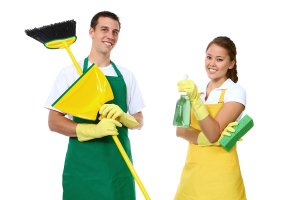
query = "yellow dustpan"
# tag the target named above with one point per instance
(84, 98)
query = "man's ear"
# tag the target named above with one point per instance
(91, 32)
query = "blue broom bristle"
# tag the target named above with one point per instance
(51, 32)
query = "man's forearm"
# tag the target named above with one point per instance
(57, 122)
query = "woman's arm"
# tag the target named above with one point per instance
(213, 127)
(189, 134)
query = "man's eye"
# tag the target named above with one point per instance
(116, 33)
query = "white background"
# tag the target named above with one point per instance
(159, 41)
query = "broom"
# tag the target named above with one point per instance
(61, 36)
(57, 36)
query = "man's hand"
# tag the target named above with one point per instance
(113, 111)
(103, 128)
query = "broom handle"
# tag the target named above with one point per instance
(129, 165)
(73, 59)
(115, 138)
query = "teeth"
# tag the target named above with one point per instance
(212, 70)
(108, 43)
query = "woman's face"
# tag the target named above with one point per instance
(217, 62)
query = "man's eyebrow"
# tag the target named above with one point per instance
(108, 28)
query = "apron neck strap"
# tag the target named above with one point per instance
(85, 64)
(221, 99)
(116, 69)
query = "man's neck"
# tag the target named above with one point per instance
(100, 61)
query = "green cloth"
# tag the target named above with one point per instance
(95, 170)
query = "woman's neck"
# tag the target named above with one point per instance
(214, 84)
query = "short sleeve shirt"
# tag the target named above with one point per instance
(234, 93)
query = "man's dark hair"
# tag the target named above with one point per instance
(111, 15)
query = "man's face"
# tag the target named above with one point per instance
(105, 35)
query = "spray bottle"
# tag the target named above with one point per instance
(182, 110)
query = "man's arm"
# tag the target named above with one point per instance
(57, 122)
(140, 119)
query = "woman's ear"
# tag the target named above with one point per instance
(232, 64)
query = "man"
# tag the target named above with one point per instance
(94, 168)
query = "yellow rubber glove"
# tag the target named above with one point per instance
(203, 141)
(198, 106)
(228, 130)
(105, 127)
(113, 111)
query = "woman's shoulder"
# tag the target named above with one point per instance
(235, 92)
(237, 88)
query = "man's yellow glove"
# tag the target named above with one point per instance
(113, 111)
(198, 106)
(91, 131)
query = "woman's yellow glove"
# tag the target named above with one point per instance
(203, 141)
(198, 106)
(228, 130)
(105, 127)
(113, 111)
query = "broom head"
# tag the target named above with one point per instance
(54, 36)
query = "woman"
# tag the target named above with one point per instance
(210, 172)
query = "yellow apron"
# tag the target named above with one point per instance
(210, 172)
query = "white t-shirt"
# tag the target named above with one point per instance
(234, 93)
(69, 75)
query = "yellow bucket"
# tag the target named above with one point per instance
(84, 98)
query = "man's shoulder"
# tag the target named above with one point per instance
(125, 71)
(70, 69)
(122, 68)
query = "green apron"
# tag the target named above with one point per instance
(95, 170)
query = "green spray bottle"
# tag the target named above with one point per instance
(182, 110)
